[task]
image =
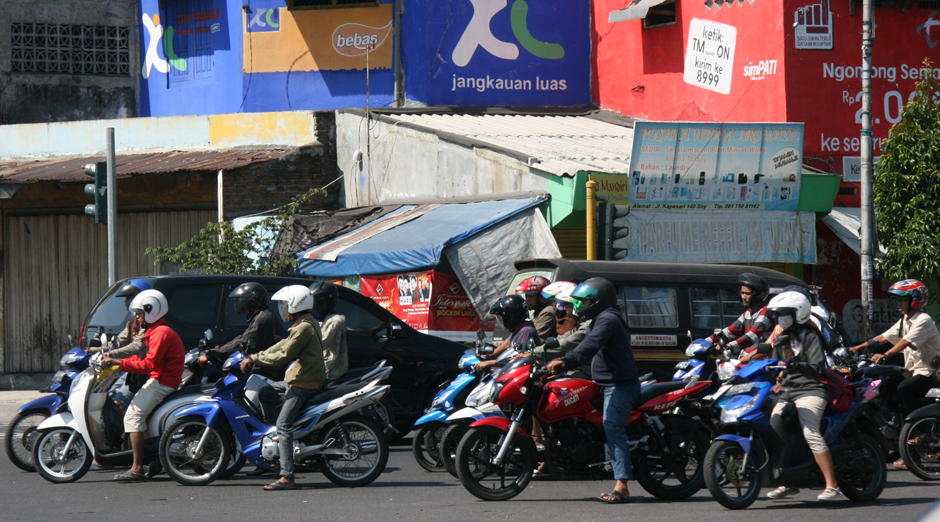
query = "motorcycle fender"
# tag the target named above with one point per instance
(501, 423)
(744, 442)
(211, 411)
(931, 410)
(434, 416)
(49, 403)
(465, 413)
(60, 420)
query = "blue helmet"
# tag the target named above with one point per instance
(132, 287)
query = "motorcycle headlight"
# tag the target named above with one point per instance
(732, 414)
(494, 393)
(439, 399)
(726, 371)
(467, 360)
(479, 396)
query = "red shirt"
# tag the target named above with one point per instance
(165, 356)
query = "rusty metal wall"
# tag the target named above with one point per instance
(55, 269)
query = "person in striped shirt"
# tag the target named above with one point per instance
(752, 326)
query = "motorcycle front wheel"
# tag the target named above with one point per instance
(920, 447)
(364, 455)
(178, 452)
(21, 436)
(235, 464)
(448, 446)
(731, 475)
(58, 461)
(861, 470)
(671, 468)
(425, 444)
(489, 481)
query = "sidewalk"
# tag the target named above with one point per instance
(10, 401)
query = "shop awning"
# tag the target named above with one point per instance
(847, 224)
(635, 11)
(411, 238)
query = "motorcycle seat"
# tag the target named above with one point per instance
(333, 393)
(656, 389)
(191, 389)
(352, 374)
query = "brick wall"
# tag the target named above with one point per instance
(265, 186)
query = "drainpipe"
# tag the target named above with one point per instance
(219, 198)
(396, 52)
(590, 214)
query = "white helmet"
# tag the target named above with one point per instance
(150, 303)
(292, 300)
(791, 303)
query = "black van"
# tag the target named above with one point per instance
(667, 304)
(199, 302)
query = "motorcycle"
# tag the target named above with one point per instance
(920, 436)
(21, 434)
(497, 456)
(750, 455)
(350, 448)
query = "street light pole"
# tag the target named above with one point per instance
(866, 170)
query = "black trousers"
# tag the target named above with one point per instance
(911, 391)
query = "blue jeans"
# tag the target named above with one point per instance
(618, 401)
(294, 401)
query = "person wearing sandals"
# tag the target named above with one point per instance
(302, 380)
(607, 346)
(805, 359)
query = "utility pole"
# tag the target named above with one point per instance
(866, 206)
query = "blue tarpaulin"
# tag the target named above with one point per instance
(412, 245)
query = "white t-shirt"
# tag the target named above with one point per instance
(922, 333)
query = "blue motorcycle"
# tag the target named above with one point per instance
(750, 455)
(330, 433)
(21, 434)
(432, 425)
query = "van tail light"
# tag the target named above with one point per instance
(81, 336)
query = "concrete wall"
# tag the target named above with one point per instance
(398, 163)
(35, 97)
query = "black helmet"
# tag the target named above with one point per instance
(511, 310)
(802, 290)
(249, 297)
(756, 283)
(132, 287)
(324, 296)
(600, 291)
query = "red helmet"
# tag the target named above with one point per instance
(533, 284)
(912, 288)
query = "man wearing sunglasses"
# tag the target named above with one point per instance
(752, 326)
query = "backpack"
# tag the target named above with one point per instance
(841, 392)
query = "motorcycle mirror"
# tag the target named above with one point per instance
(481, 335)
(783, 340)
(529, 346)
(764, 348)
(552, 342)
(94, 342)
(208, 335)
(935, 363)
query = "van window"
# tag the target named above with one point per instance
(194, 304)
(522, 276)
(233, 320)
(358, 319)
(650, 307)
(714, 308)
(112, 316)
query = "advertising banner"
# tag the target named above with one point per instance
(714, 166)
(709, 57)
(722, 237)
(499, 52)
(431, 302)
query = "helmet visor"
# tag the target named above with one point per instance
(282, 311)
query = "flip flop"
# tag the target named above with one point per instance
(130, 476)
(277, 485)
(615, 497)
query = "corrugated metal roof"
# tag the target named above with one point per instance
(563, 145)
(72, 169)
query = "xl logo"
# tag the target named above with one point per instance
(152, 58)
(263, 19)
(478, 34)
(925, 28)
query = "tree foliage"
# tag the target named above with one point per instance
(907, 187)
(220, 249)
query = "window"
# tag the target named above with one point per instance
(521, 276)
(358, 319)
(70, 49)
(239, 321)
(846, 191)
(194, 304)
(650, 307)
(112, 316)
(660, 15)
(714, 308)
(328, 4)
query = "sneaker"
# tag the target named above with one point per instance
(830, 494)
(782, 492)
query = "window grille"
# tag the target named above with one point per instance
(70, 49)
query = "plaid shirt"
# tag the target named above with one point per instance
(751, 328)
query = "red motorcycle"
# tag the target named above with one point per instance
(497, 456)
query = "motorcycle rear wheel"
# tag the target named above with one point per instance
(52, 464)
(367, 451)
(448, 446)
(488, 481)
(178, 445)
(21, 437)
(731, 475)
(425, 444)
(675, 474)
(920, 447)
(861, 470)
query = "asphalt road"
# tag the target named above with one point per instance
(406, 492)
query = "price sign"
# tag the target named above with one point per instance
(709, 58)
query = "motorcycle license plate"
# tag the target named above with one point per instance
(718, 393)
(741, 388)
(682, 365)
(934, 393)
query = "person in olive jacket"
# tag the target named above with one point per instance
(302, 380)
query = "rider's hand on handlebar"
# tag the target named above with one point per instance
(877, 358)
(556, 366)
(110, 361)
(203, 360)
(246, 362)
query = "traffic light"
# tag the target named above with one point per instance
(613, 231)
(98, 190)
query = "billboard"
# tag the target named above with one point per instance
(498, 52)
(716, 166)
